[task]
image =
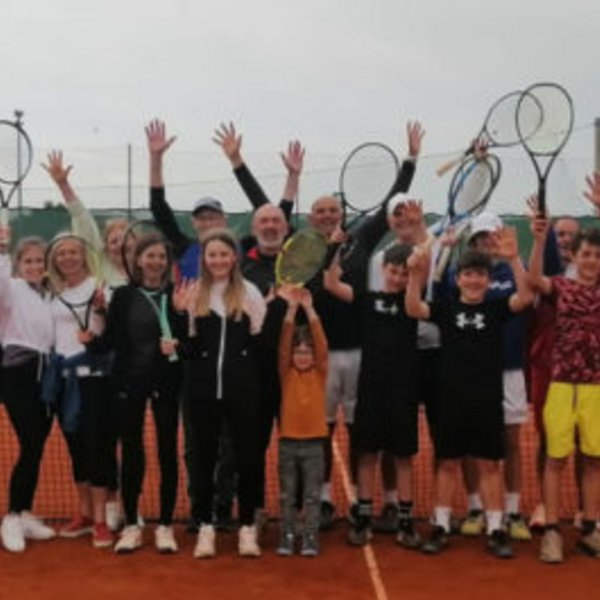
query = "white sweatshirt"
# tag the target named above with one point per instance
(25, 316)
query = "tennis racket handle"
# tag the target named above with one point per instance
(4, 217)
(541, 199)
(441, 171)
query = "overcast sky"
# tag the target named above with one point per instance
(333, 73)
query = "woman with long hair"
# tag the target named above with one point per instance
(138, 315)
(27, 336)
(226, 316)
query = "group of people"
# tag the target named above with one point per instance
(198, 328)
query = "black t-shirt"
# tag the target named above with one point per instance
(389, 336)
(471, 345)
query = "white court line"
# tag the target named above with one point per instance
(369, 554)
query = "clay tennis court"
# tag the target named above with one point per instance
(73, 569)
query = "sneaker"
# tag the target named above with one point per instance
(437, 542)
(551, 547)
(327, 513)
(36, 529)
(129, 540)
(474, 524)
(113, 515)
(590, 544)
(164, 540)
(102, 536)
(11, 531)
(537, 522)
(517, 528)
(387, 522)
(359, 535)
(498, 545)
(408, 536)
(77, 527)
(286, 545)
(310, 546)
(205, 545)
(247, 541)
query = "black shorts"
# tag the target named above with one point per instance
(470, 426)
(430, 360)
(386, 419)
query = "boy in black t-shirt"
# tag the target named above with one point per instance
(386, 417)
(470, 418)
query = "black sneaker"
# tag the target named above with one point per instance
(437, 542)
(498, 545)
(408, 536)
(387, 522)
(360, 534)
(327, 513)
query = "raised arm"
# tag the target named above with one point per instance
(333, 283)
(83, 223)
(506, 246)
(158, 144)
(592, 193)
(537, 280)
(293, 160)
(316, 330)
(287, 332)
(417, 265)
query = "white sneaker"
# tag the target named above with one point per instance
(12, 534)
(114, 515)
(129, 540)
(35, 529)
(164, 539)
(247, 541)
(205, 546)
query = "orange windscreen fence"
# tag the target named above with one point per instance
(56, 495)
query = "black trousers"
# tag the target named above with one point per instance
(130, 411)
(91, 447)
(32, 423)
(207, 416)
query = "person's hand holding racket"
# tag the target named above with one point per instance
(505, 243)
(168, 347)
(4, 238)
(230, 142)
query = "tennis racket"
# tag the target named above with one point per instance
(470, 190)
(366, 180)
(544, 143)
(16, 156)
(159, 301)
(499, 128)
(302, 257)
(82, 309)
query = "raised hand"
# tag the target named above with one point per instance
(306, 299)
(183, 294)
(479, 149)
(230, 142)
(4, 238)
(56, 169)
(156, 136)
(415, 134)
(293, 159)
(419, 259)
(592, 193)
(412, 211)
(506, 243)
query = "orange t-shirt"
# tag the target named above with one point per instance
(303, 412)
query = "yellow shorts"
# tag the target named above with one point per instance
(569, 406)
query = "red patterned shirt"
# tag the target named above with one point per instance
(576, 352)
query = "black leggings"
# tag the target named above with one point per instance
(31, 422)
(130, 410)
(207, 416)
(92, 446)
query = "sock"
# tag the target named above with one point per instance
(353, 494)
(390, 497)
(587, 527)
(512, 501)
(326, 492)
(474, 502)
(441, 516)
(364, 512)
(493, 520)
(405, 509)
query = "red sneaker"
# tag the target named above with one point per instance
(77, 527)
(102, 536)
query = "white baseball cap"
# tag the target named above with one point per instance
(486, 222)
(395, 201)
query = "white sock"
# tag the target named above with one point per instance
(326, 492)
(512, 500)
(441, 517)
(391, 496)
(353, 493)
(494, 520)
(474, 502)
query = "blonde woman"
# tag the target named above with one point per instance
(226, 316)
